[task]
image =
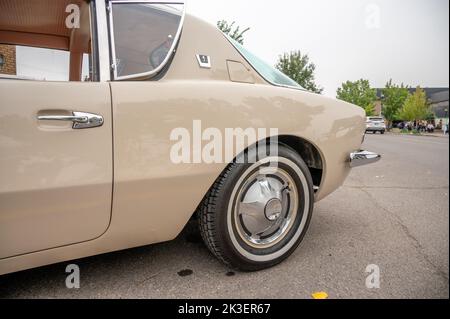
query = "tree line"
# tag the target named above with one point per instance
(398, 103)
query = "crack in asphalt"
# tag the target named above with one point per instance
(416, 243)
(148, 278)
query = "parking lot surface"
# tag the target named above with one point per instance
(393, 214)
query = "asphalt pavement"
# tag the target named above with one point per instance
(393, 214)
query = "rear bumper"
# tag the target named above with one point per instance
(375, 129)
(363, 158)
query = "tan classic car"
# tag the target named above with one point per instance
(120, 121)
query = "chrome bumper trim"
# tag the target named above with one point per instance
(363, 158)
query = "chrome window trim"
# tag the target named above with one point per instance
(256, 70)
(101, 20)
(155, 71)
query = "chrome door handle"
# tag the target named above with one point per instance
(80, 120)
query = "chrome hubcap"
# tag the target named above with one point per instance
(273, 209)
(265, 207)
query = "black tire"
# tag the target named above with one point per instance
(219, 231)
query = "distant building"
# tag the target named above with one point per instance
(437, 97)
(439, 107)
(378, 107)
(8, 59)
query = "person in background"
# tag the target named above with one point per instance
(410, 126)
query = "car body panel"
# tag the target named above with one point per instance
(56, 182)
(153, 198)
(146, 180)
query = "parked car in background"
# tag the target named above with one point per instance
(86, 163)
(375, 124)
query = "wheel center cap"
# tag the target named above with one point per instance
(273, 209)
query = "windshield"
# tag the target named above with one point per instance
(268, 72)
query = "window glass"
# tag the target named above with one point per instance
(264, 69)
(29, 63)
(39, 64)
(144, 36)
(46, 47)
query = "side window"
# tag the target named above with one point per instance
(267, 71)
(144, 36)
(46, 40)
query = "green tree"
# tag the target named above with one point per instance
(359, 93)
(416, 107)
(300, 69)
(370, 110)
(235, 34)
(394, 99)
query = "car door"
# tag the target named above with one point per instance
(56, 168)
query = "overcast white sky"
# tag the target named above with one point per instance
(407, 40)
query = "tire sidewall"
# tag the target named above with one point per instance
(226, 194)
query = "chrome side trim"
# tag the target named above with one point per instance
(102, 41)
(113, 47)
(363, 158)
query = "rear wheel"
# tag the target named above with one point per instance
(256, 215)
